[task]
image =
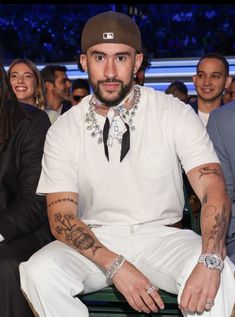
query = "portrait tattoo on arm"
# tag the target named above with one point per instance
(75, 235)
(209, 170)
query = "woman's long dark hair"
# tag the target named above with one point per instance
(8, 105)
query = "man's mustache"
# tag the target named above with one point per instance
(109, 80)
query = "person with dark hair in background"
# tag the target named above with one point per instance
(57, 85)
(113, 180)
(178, 89)
(80, 89)
(24, 225)
(210, 81)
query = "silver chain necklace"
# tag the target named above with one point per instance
(126, 116)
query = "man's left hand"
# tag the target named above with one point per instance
(200, 290)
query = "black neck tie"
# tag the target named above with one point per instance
(125, 140)
(105, 137)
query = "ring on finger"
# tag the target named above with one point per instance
(151, 289)
(209, 306)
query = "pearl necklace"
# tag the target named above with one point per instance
(125, 111)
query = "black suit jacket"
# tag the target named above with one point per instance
(194, 105)
(22, 212)
(66, 106)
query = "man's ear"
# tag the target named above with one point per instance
(83, 62)
(194, 78)
(138, 61)
(228, 81)
(49, 86)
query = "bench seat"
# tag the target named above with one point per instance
(109, 302)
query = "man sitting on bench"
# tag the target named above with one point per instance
(113, 180)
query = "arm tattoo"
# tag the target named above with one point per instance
(208, 170)
(216, 233)
(62, 200)
(210, 211)
(75, 235)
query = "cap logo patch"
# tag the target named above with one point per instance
(108, 36)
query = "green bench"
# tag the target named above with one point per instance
(109, 302)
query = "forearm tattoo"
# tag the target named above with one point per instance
(75, 235)
(215, 236)
(208, 170)
(62, 200)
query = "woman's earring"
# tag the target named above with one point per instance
(37, 99)
(134, 73)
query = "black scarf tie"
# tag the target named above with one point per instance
(125, 140)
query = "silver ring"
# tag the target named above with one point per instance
(151, 289)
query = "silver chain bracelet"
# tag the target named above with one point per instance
(115, 267)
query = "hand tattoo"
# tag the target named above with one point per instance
(75, 235)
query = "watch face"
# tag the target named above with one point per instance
(212, 261)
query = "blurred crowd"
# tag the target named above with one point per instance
(51, 33)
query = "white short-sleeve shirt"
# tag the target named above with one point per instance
(147, 185)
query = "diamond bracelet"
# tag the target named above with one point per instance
(115, 267)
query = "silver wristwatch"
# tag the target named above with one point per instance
(211, 261)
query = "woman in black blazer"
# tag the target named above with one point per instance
(23, 217)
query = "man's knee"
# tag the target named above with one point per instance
(37, 270)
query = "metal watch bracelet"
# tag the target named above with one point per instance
(212, 261)
(115, 267)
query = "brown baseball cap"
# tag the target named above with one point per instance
(111, 27)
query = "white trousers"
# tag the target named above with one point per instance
(55, 274)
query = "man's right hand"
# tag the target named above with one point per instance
(134, 285)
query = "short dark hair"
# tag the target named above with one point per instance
(177, 86)
(146, 63)
(216, 56)
(48, 72)
(81, 83)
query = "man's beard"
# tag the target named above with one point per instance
(114, 102)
